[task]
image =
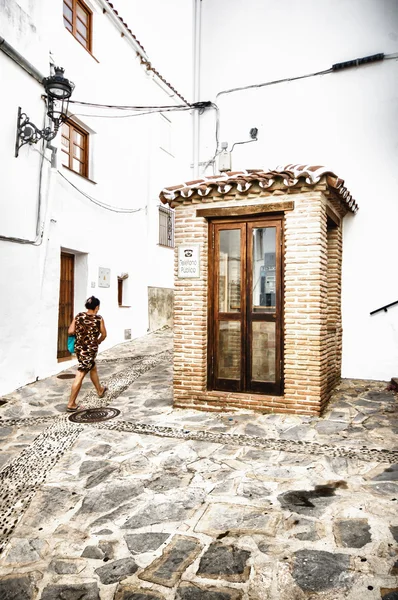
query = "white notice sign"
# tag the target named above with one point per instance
(104, 277)
(189, 261)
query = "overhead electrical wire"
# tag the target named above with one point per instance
(275, 82)
(98, 202)
(137, 108)
(333, 69)
(137, 114)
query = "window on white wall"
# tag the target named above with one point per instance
(165, 134)
(78, 20)
(122, 289)
(75, 148)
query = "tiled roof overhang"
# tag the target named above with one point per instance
(290, 176)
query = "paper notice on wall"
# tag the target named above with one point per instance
(189, 261)
(104, 277)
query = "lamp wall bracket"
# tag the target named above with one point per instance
(28, 133)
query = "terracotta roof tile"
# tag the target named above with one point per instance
(290, 175)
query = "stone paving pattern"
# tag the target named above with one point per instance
(162, 504)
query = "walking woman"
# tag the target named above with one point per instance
(89, 329)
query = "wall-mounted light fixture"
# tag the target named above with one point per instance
(58, 90)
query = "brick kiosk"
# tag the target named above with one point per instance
(257, 306)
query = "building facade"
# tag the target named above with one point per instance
(83, 218)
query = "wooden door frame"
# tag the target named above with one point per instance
(69, 255)
(276, 219)
(237, 317)
(252, 386)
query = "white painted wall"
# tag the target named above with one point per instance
(127, 169)
(346, 121)
(165, 30)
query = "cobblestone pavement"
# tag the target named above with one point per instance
(161, 504)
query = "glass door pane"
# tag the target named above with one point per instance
(229, 359)
(228, 327)
(229, 271)
(264, 270)
(263, 351)
(263, 314)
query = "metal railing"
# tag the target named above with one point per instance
(166, 226)
(385, 308)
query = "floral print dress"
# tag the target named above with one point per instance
(87, 331)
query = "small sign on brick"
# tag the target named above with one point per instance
(189, 261)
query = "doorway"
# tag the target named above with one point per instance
(66, 303)
(245, 299)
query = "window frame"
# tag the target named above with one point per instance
(73, 6)
(166, 233)
(73, 126)
(121, 290)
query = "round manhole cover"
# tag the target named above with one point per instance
(94, 415)
(66, 376)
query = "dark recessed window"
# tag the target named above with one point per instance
(74, 146)
(122, 291)
(166, 226)
(77, 20)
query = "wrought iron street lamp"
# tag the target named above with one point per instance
(58, 90)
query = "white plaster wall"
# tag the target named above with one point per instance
(165, 30)
(346, 121)
(127, 169)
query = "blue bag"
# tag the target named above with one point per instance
(71, 343)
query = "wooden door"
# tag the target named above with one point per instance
(245, 299)
(66, 303)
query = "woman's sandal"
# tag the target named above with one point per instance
(104, 392)
(72, 409)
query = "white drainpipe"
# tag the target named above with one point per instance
(196, 85)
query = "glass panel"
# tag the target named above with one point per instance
(65, 130)
(68, 13)
(78, 152)
(65, 143)
(81, 28)
(83, 16)
(78, 138)
(68, 25)
(264, 271)
(78, 166)
(81, 39)
(228, 350)
(65, 159)
(263, 351)
(229, 269)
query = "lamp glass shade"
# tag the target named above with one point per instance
(58, 91)
(57, 86)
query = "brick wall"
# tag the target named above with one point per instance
(312, 314)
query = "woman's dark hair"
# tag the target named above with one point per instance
(92, 303)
